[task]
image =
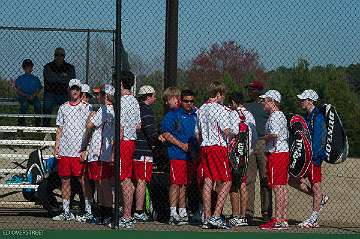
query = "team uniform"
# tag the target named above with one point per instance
(129, 119)
(213, 119)
(100, 165)
(242, 114)
(72, 119)
(277, 150)
(181, 125)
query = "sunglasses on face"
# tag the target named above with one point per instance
(62, 55)
(188, 101)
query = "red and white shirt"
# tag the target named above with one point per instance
(277, 124)
(249, 120)
(101, 144)
(71, 118)
(130, 116)
(212, 120)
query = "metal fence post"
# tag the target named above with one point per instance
(171, 43)
(117, 109)
(87, 57)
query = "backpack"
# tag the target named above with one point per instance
(36, 170)
(300, 146)
(238, 152)
(336, 143)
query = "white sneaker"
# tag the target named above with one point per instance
(238, 221)
(141, 217)
(325, 198)
(308, 224)
(125, 223)
(64, 217)
(87, 217)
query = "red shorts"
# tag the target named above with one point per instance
(70, 166)
(127, 148)
(99, 170)
(313, 174)
(179, 172)
(214, 164)
(142, 170)
(244, 179)
(277, 168)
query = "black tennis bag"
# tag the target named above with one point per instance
(238, 151)
(336, 145)
(300, 146)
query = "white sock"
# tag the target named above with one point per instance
(173, 211)
(182, 212)
(66, 205)
(88, 206)
(314, 216)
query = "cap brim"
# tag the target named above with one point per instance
(262, 96)
(301, 97)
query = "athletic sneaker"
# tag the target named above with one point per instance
(183, 220)
(275, 224)
(64, 217)
(126, 223)
(324, 200)
(218, 223)
(87, 217)
(308, 223)
(205, 224)
(141, 217)
(237, 221)
(174, 220)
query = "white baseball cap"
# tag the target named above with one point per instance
(146, 89)
(85, 88)
(74, 82)
(272, 94)
(108, 89)
(309, 94)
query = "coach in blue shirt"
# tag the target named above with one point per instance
(178, 127)
(28, 88)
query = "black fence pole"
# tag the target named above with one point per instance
(117, 109)
(171, 43)
(87, 57)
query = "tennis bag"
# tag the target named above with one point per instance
(238, 151)
(300, 146)
(336, 144)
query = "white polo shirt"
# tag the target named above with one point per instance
(101, 144)
(277, 124)
(72, 119)
(213, 119)
(130, 116)
(249, 120)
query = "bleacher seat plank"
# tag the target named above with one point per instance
(27, 116)
(19, 156)
(20, 142)
(18, 186)
(28, 129)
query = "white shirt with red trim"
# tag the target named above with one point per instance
(213, 119)
(130, 116)
(102, 140)
(72, 119)
(277, 124)
(249, 120)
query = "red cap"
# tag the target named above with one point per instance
(256, 85)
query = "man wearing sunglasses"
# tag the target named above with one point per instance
(57, 75)
(178, 128)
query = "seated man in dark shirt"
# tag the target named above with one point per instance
(57, 75)
(28, 88)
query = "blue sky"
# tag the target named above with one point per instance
(324, 32)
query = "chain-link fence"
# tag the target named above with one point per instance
(216, 156)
